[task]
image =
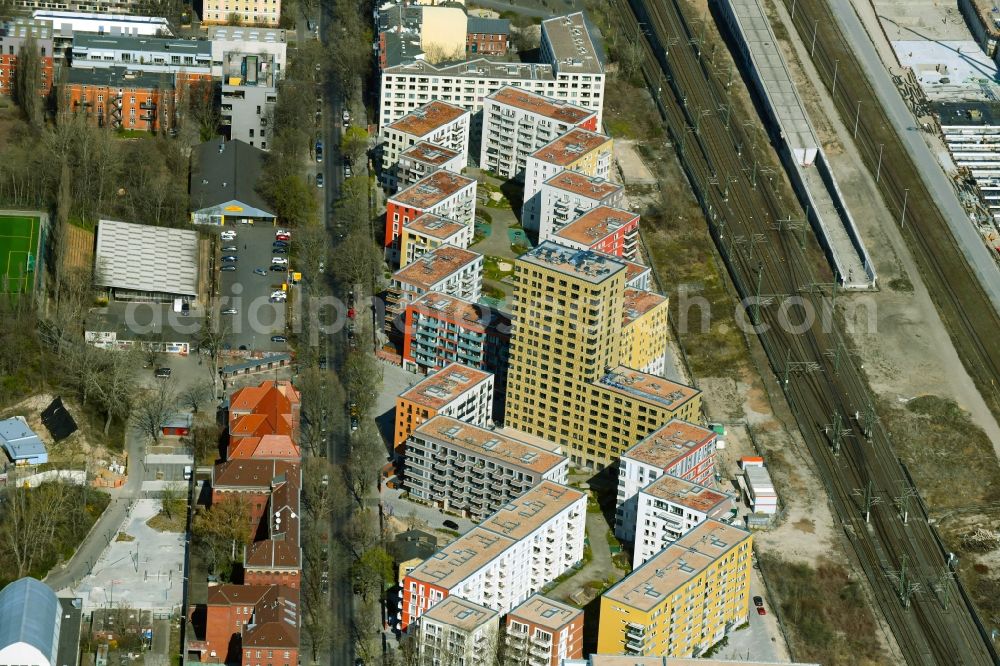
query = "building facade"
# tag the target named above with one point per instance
(509, 557)
(456, 631)
(249, 94)
(462, 392)
(603, 229)
(683, 600)
(467, 469)
(436, 122)
(543, 632)
(428, 232)
(517, 122)
(578, 150)
(256, 13)
(16, 35)
(567, 196)
(646, 329)
(268, 42)
(423, 159)
(447, 269)
(121, 98)
(191, 58)
(487, 36)
(442, 193)
(566, 382)
(681, 449)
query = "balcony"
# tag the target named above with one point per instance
(147, 105)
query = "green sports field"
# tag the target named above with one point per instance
(18, 248)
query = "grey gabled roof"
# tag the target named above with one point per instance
(144, 258)
(478, 25)
(227, 171)
(29, 613)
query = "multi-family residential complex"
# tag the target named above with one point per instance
(428, 232)
(566, 382)
(572, 70)
(543, 632)
(96, 6)
(190, 58)
(423, 159)
(680, 449)
(446, 269)
(683, 600)
(622, 660)
(669, 507)
(578, 150)
(13, 37)
(269, 42)
(458, 391)
(260, 13)
(242, 619)
(487, 36)
(509, 557)
(568, 195)
(441, 329)
(442, 193)
(646, 329)
(517, 122)
(117, 97)
(249, 93)
(467, 469)
(603, 229)
(436, 122)
(456, 631)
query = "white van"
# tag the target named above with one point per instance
(187, 472)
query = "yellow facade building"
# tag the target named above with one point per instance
(260, 13)
(683, 600)
(645, 328)
(567, 380)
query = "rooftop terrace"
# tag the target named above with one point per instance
(669, 443)
(488, 444)
(429, 117)
(445, 385)
(432, 189)
(571, 146)
(586, 265)
(650, 388)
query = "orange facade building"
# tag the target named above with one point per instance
(14, 35)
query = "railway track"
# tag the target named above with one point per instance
(791, 307)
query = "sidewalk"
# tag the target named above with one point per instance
(600, 567)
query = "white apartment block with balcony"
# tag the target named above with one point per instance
(571, 70)
(510, 556)
(442, 193)
(436, 122)
(423, 159)
(669, 507)
(678, 448)
(447, 269)
(517, 122)
(457, 632)
(251, 41)
(568, 195)
(456, 390)
(147, 54)
(464, 468)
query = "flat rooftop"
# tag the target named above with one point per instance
(638, 302)
(461, 558)
(621, 660)
(571, 146)
(478, 69)
(488, 444)
(433, 267)
(429, 153)
(659, 577)
(948, 71)
(634, 270)
(573, 47)
(440, 388)
(241, 34)
(141, 257)
(669, 443)
(597, 224)
(459, 613)
(545, 612)
(119, 77)
(427, 118)
(464, 313)
(688, 494)
(540, 105)
(593, 187)
(432, 189)
(520, 517)
(648, 387)
(586, 265)
(770, 67)
(434, 226)
(200, 48)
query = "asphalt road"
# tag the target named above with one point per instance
(257, 319)
(935, 179)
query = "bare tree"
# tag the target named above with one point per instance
(172, 500)
(195, 395)
(211, 339)
(30, 519)
(115, 384)
(204, 441)
(28, 82)
(153, 409)
(222, 531)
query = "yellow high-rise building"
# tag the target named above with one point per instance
(567, 382)
(683, 600)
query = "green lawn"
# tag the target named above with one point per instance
(18, 245)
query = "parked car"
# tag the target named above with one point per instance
(354, 424)
(230, 258)
(283, 236)
(228, 268)
(279, 294)
(278, 338)
(319, 151)
(451, 525)
(322, 362)
(279, 250)
(230, 311)
(230, 248)
(319, 179)
(758, 602)
(162, 373)
(228, 235)
(278, 243)
(279, 260)
(260, 271)
(282, 232)
(761, 611)
(277, 267)
(347, 171)
(346, 115)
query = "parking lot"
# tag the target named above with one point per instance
(256, 319)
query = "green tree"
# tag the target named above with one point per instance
(294, 200)
(354, 144)
(222, 531)
(373, 572)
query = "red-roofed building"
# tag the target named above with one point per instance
(237, 617)
(272, 408)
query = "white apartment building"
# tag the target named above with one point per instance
(543, 632)
(423, 159)
(511, 555)
(669, 507)
(568, 195)
(577, 150)
(430, 231)
(572, 71)
(249, 41)
(260, 13)
(436, 122)
(66, 23)
(464, 468)
(517, 122)
(450, 270)
(148, 54)
(442, 193)
(678, 448)
(456, 390)
(457, 632)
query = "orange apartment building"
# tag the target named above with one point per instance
(119, 98)
(13, 36)
(238, 612)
